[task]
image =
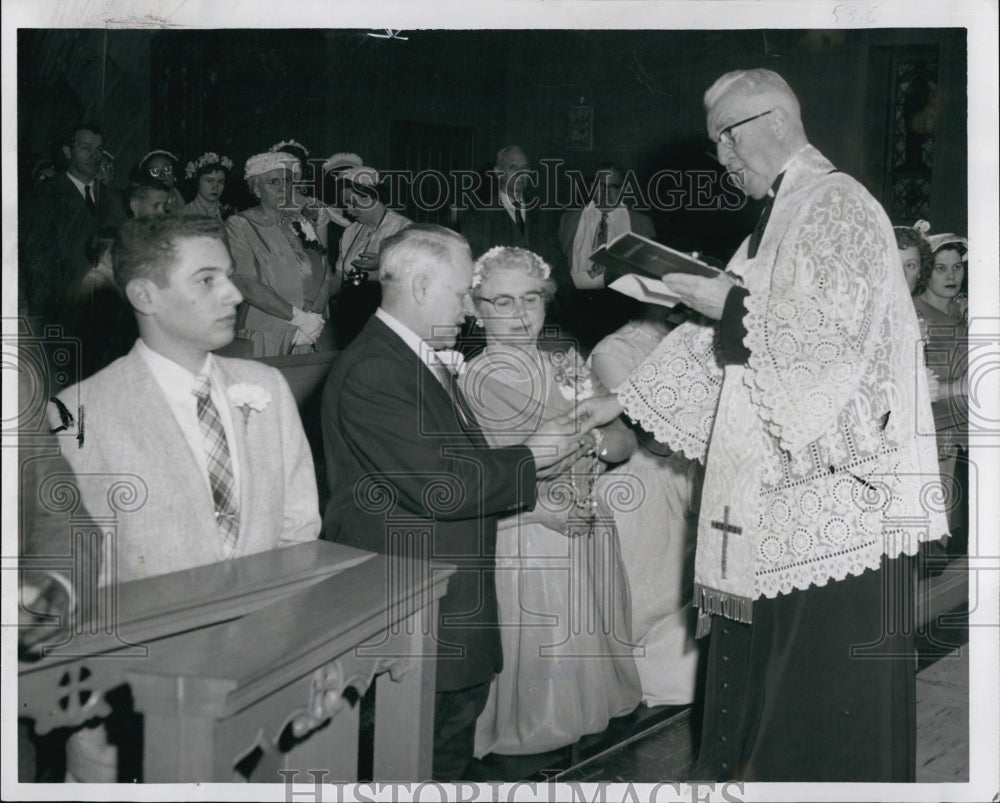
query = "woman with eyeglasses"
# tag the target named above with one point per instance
(562, 593)
(280, 265)
(162, 165)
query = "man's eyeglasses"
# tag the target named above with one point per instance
(726, 134)
(156, 172)
(505, 304)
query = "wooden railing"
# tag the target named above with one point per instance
(243, 668)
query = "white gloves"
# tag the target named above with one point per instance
(309, 325)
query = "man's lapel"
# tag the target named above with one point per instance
(156, 432)
(438, 411)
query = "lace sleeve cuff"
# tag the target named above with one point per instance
(673, 395)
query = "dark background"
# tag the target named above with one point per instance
(887, 106)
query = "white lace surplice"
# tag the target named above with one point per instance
(814, 468)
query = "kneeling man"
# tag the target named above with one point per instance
(215, 446)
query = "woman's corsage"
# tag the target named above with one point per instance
(248, 398)
(572, 376)
(307, 234)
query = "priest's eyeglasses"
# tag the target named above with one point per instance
(506, 304)
(726, 134)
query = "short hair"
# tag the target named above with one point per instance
(926, 268)
(751, 83)
(93, 128)
(419, 244)
(907, 236)
(145, 248)
(507, 149)
(502, 259)
(141, 184)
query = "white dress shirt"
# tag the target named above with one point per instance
(177, 382)
(419, 347)
(80, 185)
(508, 204)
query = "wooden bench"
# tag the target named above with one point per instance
(242, 668)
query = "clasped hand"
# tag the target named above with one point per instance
(560, 441)
(309, 325)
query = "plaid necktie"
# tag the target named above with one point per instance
(89, 198)
(220, 472)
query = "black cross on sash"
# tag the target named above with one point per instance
(726, 528)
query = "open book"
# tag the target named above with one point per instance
(634, 264)
(632, 253)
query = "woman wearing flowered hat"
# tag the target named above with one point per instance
(280, 264)
(208, 175)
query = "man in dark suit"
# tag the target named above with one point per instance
(590, 311)
(57, 222)
(510, 217)
(410, 472)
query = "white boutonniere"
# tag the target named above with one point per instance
(248, 398)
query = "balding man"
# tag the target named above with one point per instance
(394, 429)
(807, 422)
(512, 217)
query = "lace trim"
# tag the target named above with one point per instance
(674, 393)
(811, 329)
(818, 572)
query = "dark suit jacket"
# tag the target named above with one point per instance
(489, 226)
(55, 227)
(400, 461)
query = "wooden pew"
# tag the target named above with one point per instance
(222, 659)
(305, 373)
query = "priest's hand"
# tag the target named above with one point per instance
(597, 411)
(556, 445)
(703, 294)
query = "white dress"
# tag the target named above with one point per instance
(652, 497)
(563, 601)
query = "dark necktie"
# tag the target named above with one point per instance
(602, 231)
(220, 471)
(446, 376)
(519, 218)
(89, 199)
(758, 230)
